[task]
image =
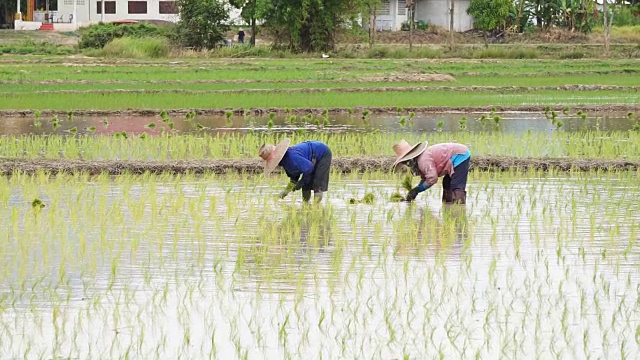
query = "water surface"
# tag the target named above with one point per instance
(154, 267)
(517, 122)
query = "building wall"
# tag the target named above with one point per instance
(436, 12)
(87, 12)
(391, 15)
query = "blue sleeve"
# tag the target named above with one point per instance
(306, 168)
(302, 166)
(422, 187)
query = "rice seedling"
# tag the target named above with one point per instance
(462, 123)
(589, 144)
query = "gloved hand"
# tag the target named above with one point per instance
(283, 194)
(412, 195)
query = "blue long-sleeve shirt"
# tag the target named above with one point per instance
(300, 159)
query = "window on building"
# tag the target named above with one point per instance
(137, 7)
(168, 7)
(70, 2)
(109, 7)
(384, 8)
(402, 7)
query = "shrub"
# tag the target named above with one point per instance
(202, 23)
(128, 47)
(378, 52)
(626, 16)
(495, 53)
(97, 36)
(36, 48)
(572, 55)
(426, 52)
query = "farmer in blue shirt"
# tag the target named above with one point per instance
(307, 164)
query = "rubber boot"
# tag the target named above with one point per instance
(306, 195)
(447, 196)
(459, 196)
(317, 196)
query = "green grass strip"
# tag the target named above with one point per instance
(121, 101)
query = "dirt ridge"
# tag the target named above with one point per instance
(331, 111)
(254, 166)
(501, 89)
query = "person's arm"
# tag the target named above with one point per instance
(288, 189)
(422, 186)
(300, 172)
(429, 178)
(306, 168)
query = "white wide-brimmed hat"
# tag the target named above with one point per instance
(405, 152)
(272, 154)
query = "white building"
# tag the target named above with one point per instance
(70, 16)
(90, 11)
(392, 13)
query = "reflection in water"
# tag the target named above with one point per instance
(421, 232)
(290, 241)
(519, 122)
(170, 267)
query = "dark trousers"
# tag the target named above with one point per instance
(459, 178)
(320, 181)
(453, 187)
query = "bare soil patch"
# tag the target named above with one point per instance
(254, 166)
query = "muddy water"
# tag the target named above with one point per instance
(509, 122)
(530, 268)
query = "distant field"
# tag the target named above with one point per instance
(67, 84)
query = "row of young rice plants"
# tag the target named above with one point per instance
(293, 69)
(577, 145)
(327, 99)
(537, 264)
(202, 85)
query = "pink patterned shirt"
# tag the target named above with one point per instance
(435, 161)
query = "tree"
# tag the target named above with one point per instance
(369, 10)
(411, 11)
(489, 15)
(306, 25)
(202, 23)
(249, 13)
(452, 8)
(607, 24)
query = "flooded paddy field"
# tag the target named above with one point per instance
(398, 121)
(542, 265)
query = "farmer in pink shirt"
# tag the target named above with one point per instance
(448, 160)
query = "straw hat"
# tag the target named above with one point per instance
(405, 152)
(272, 154)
